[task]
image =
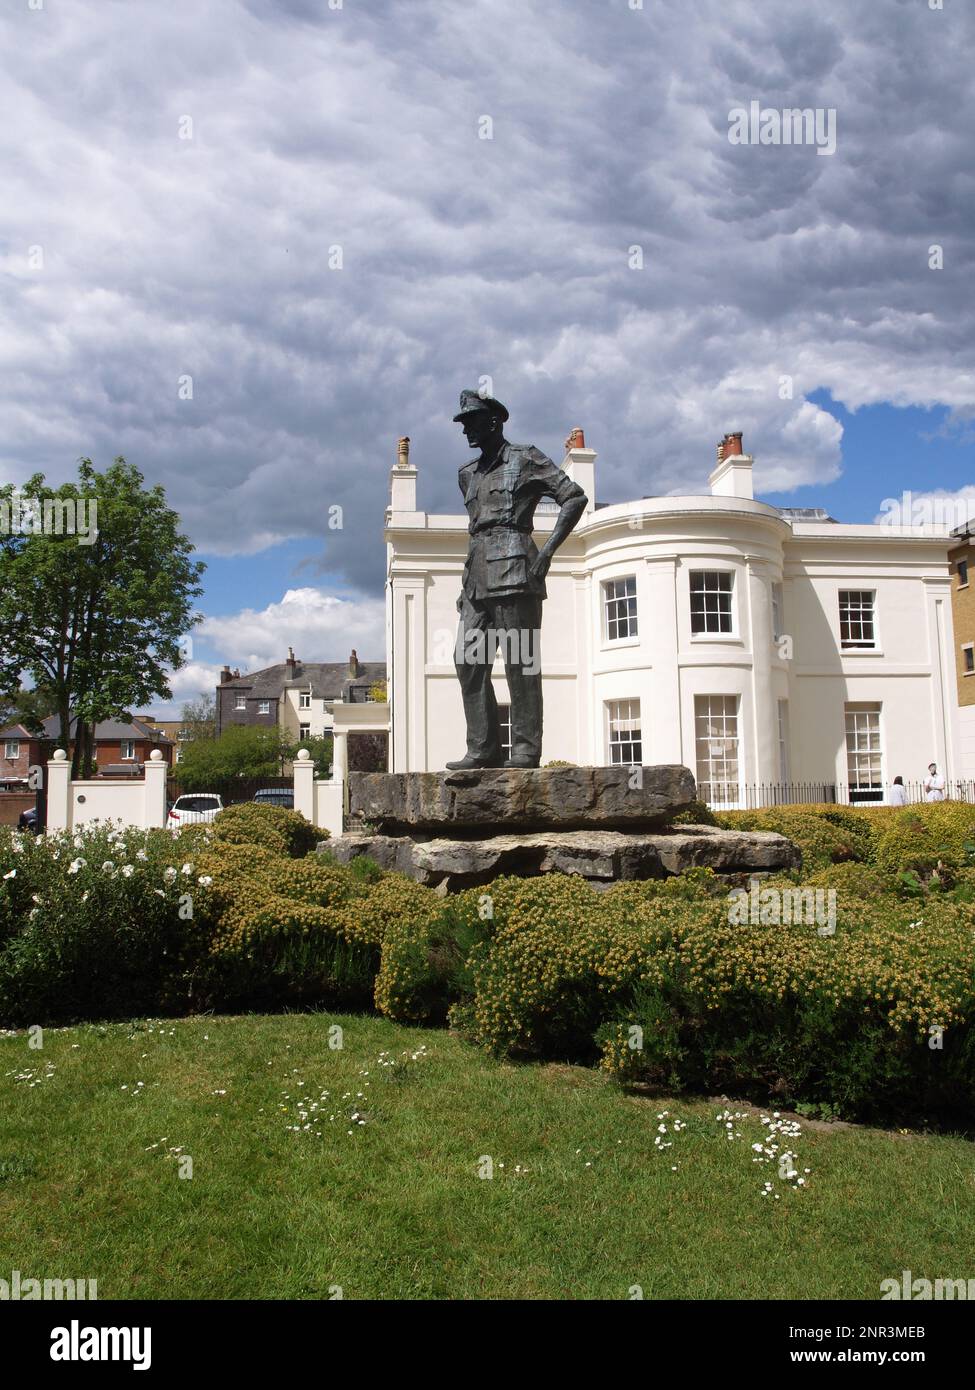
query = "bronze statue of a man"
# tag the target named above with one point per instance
(504, 581)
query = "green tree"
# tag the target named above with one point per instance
(199, 717)
(242, 751)
(94, 620)
(27, 707)
(320, 748)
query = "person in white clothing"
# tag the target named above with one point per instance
(898, 793)
(934, 784)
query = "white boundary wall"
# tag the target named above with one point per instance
(321, 802)
(141, 802)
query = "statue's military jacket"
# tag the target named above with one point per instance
(501, 502)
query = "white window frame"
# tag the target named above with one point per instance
(14, 744)
(968, 649)
(856, 753)
(850, 644)
(729, 784)
(264, 707)
(785, 760)
(240, 702)
(778, 626)
(612, 603)
(130, 744)
(504, 725)
(304, 731)
(304, 699)
(718, 634)
(619, 739)
(962, 565)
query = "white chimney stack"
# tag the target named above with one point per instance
(732, 476)
(580, 465)
(402, 480)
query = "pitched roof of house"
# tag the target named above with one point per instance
(328, 680)
(108, 730)
(16, 731)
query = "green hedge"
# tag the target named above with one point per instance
(871, 1019)
(931, 837)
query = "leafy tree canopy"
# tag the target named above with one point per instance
(93, 619)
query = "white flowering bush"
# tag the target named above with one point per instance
(96, 923)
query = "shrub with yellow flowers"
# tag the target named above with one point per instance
(563, 959)
(821, 840)
(274, 827)
(873, 1018)
(424, 969)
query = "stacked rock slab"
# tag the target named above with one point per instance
(454, 830)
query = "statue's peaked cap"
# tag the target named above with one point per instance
(471, 401)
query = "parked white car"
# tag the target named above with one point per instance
(194, 808)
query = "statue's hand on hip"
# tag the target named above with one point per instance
(539, 567)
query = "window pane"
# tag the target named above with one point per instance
(776, 611)
(620, 607)
(857, 618)
(784, 764)
(710, 592)
(625, 736)
(504, 722)
(863, 752)
(716, 740)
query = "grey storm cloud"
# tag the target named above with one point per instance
(357, 127)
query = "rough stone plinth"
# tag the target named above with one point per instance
(601, 856)
(534, 799)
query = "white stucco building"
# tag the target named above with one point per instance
(756, 645)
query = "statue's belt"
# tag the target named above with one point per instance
(500, 526)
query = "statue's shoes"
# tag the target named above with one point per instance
(470, 762)
(520, 762)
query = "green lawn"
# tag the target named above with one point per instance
(584, 1205)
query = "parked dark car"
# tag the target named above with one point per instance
(27, 820)
(276, 796)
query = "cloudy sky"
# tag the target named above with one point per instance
(326, 218)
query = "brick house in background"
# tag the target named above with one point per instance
(20, 750)
(122, 745)
(297, 696)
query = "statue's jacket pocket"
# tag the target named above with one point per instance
(506, 558)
